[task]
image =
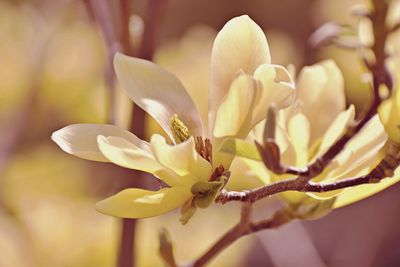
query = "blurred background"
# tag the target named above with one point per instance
(53, 72)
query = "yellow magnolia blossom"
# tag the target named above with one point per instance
(309, 128)
(243, 84)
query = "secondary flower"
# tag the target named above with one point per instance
(306, 131)
(242, 85)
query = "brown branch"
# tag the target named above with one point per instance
(384, 169)
(243, 228)
(152, 22)
(99, 10)
(124, 36)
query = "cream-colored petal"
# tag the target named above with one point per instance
(356, 159)
(189, 59)
(235, 112)
(365, 32)
(326, 195)
(139, 203)
(299, 133)
(321, 89)
(240, 45)
(361, 149)
(158, 92)
(277, 86)
(243, 177)
(81, 139)
(181, 158)
(130, 155)
(389, 114)
(336, 129)
(357, 193)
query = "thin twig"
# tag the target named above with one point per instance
(100, 12)
(243, 228)
(152, 22)
(121, 42)
(384, 169)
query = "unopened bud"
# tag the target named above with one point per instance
(270, 126)
(166, 248)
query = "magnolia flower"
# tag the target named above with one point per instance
(307, 130)
(243, 83)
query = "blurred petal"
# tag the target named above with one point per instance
(240, 148)
(130, 155)
(277, 86)
(365, 32)
(139, 203)
(321, 89)
(389, 114)
(357, 157)
(189, 59)
(361, 149)
(244, 178)
(354, 194)
(299, 133)
(158, 92)
(81, 139)
(181, 158)
(240, 45)
(235, 112)
(336, 129)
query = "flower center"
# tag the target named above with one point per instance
(179, 130)
(181, 133)
(204, 148)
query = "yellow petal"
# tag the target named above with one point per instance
(189, 59)
(240, 45)
(311, 209)
(389, 113)
(139, 203)
(240, 148)
(357, 193)
(81, 139)
(158, 92)
(299, 132)
(243, 177)
(277, 86)
(361, 149)
(293, 197)
(235, 112)
(258, 168)
(181, 158)
(321, 89)
(336, 129)
(365, 32)
(131, 155)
